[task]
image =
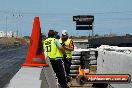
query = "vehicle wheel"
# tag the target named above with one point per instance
(81, 80)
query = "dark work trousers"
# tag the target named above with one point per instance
(58, 68)
(67, 64)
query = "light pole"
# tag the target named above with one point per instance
(6, 27)
(18, 23)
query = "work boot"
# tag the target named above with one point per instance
(68, 79)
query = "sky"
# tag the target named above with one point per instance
(111, 16)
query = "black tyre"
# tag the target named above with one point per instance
(76, 53)
(74, 71)
(93, 62)
(81, 80)
(76, 57)
(74, 67)
(75, 62)
(73, 75)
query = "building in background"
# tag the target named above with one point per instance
(8, 34)
(2, 34)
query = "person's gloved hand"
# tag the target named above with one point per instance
(64, 56)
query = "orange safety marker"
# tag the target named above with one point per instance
(35, 56)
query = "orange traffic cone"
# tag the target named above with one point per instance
(35, 55)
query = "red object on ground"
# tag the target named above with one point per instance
(35, 55)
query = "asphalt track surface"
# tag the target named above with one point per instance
(11, 59)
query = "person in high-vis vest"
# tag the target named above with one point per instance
(55, 53)
(68, 45)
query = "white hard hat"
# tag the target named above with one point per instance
(64, 32)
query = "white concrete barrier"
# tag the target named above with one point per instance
(26, 77)
(34, 77)
(111, 61)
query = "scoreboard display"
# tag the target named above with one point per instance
(84, 22)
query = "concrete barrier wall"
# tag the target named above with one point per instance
(26, 77)
(115, 40)
(112, 62)
(34, 77)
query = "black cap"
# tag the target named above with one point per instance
(51, 33)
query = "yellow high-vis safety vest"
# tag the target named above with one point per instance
(51, 49)
(67, 43)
